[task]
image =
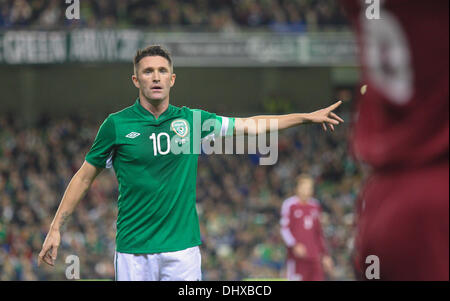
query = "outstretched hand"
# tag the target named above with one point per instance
(326, 116)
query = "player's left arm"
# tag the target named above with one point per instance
(261, 124)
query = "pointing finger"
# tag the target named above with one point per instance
(335, 105)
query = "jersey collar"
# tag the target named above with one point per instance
(149, 116)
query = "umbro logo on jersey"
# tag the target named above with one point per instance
(132, 135)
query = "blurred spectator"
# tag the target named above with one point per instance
(5, 14)
(21, 12)
(51, 15)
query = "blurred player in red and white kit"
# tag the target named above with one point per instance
(401, 131)
(302, 233)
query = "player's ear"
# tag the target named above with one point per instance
(135, 81)
(172, 79)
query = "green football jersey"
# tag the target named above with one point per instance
(155, 161)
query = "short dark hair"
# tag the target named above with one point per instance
(152, 50)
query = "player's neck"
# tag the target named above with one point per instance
(302, 200)
(156, 108)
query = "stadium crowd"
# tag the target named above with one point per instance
(239, 202)
(219, 15)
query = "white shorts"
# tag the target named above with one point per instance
(184, 265)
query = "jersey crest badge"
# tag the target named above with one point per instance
(180, 127)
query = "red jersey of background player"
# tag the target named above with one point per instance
(402, 120)
(302, 233)
(300, 223)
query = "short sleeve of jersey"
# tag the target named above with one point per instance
(101, 152)
(213, 125)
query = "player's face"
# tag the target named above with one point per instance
(305, 188)
(154, 78)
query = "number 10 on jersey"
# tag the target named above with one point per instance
(157, 143)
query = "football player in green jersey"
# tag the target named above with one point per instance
(153, 148)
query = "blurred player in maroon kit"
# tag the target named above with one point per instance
(302, 233)
(401, 131)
